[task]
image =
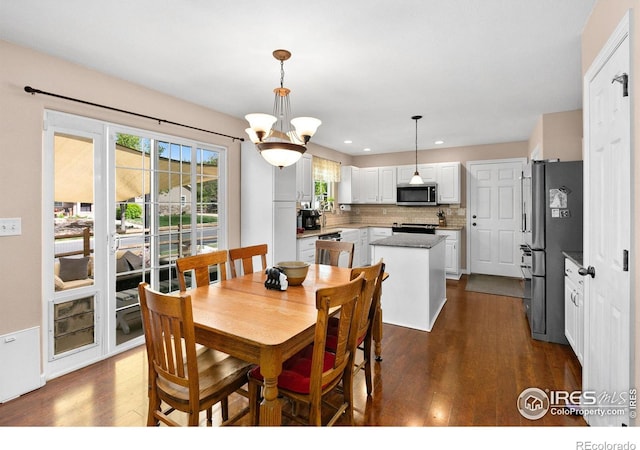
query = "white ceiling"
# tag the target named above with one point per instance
(479, 71)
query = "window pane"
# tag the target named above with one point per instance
(73, 214)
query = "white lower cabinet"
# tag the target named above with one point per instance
(452, 253)
(574, 308)
(350, 235)
(376, 233)
(306, 249)
(364, 248)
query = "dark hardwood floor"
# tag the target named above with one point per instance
(469, 371)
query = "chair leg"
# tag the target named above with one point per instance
(194, 419)
(254, 402)
(315, 412)
(347, 386)
(154, 405)
(209, 417)
(367, 365)
(224, 405)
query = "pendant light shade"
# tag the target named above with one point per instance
(282, 146)
(416, 178)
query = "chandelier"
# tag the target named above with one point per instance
(416, 178)
(281, 145)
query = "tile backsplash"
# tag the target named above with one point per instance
(388, 214)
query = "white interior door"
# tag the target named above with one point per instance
(607, 234)
(494, 224)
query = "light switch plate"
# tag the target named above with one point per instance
(11, 226)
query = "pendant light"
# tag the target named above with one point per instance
(416, 178)
(281, 146)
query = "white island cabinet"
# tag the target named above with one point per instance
(415, 291)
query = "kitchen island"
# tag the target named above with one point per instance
(415, 291)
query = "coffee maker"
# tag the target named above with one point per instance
(310, 219)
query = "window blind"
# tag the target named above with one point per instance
(326, 170)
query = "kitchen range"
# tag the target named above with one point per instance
(413, 228)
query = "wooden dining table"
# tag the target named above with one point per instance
(243, 318)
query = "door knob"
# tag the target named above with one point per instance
(474, 224)
(474, 216)
(588, 271)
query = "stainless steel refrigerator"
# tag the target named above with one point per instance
(556, 226)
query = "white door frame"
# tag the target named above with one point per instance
(468, 165)
(103, 288)
(55, 121)
(621, 33)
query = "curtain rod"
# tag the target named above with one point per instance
(33, 91)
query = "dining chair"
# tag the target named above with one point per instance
(184, 377)
(373, 281)
(200, 265)
(328, 252)
(314, 372)
(245, 256)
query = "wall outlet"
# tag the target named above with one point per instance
(384, 211)
(11, 227)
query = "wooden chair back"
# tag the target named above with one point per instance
(200, 265)
(328, 252)
(170, 339)
(347, 298)
(245, 255)
(373, 281)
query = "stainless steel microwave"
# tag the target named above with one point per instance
(417, 194)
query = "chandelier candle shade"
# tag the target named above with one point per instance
(281, 145)
(416, 178)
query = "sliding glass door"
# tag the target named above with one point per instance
(125, 205)
(166, 207)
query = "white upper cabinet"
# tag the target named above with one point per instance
(369, 185)
(304, 179)
(387, 184)
(378, 185)
(349, 185)
(448, 176)
(428, 172)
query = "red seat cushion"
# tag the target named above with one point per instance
(296, 371)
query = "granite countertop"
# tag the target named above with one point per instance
(576, 257)
(425, 241)
(351, 226)
(316, 233)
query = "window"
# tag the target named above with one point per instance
(326, 174)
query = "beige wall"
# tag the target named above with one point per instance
(21, 117)
(558, 136)
(604, 18)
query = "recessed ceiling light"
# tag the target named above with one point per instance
(348, 141)
(439, 142)
(366, 149)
